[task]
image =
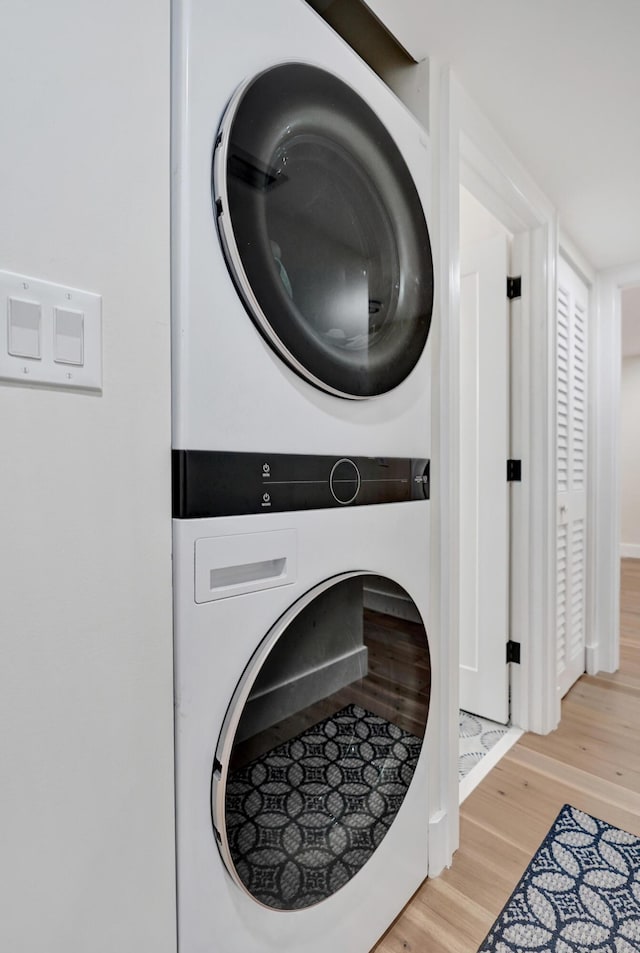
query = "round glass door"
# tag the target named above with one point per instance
(321, 741)
(323, 230)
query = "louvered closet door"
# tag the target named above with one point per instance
(572, 323)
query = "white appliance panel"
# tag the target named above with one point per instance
(213, 644)
(231, 390)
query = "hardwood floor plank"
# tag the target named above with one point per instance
(596, 757)
(618, 798)
(458, 922)
(487, 867)
(591, 761)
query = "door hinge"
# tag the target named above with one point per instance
(514, 287)
(514, 471)
(513, 652)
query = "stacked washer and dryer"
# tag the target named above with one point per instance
(302, 299)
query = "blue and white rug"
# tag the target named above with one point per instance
(305, 817)
(579, 894)
(476, 737)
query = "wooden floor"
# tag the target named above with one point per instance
(591, 761)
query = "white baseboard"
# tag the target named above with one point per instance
(440, 854)
(593, 659)
(490, 760)
(390, 603)
(630, 550)
(303, 689)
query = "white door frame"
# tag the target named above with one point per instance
(473, 155)
(603, 605)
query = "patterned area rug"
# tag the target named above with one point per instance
(476, 736)
(581, 892)
(304, 818)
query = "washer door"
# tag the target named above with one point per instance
(323, 230)
(321, 740)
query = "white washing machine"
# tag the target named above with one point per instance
(302, 269)
(307, 720)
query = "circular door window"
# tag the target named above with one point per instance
(321, 741)
(323, 230)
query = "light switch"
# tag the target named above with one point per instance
(50, 334)
(68, 336)
(24, 321)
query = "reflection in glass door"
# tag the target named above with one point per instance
(312, 769)
(323, 230)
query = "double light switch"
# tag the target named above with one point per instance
(52, 333)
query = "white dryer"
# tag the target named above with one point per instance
(302, 268)
(307, 752)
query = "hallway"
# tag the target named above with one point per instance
(591, 761)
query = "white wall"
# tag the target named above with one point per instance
(630, 320)
(477, 223)
(630, 456)
(86, 813)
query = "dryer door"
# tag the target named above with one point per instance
(323, 230)
(321, 741)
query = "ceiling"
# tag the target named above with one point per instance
(560, 81)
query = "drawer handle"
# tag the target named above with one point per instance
(247, 572)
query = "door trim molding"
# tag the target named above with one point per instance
(604, 603)
(472, 154)
(574, 257)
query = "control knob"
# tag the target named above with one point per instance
(344, 481)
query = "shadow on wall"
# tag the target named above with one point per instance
(364, 34)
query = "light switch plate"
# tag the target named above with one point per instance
(51, 367)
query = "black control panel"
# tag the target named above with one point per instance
(209, 483)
